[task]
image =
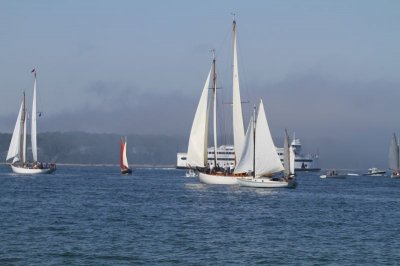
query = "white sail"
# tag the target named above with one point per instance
(197, 147)
(245, 164)
(394, 154)
(292, 157)
(33, 125)
(267, 159)
(14, 149)
(24, 136)
(238, 128)
(124, 157)
(286, 154)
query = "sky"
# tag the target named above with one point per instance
(327, 70)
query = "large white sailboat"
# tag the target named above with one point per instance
(17, 149)
(197, 149)
(394, 164)
(259, 157)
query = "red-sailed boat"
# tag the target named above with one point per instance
(125, 170)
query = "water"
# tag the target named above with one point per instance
(94, 216)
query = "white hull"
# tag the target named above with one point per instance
(265, 183)
(395, 176)
(31, 171)
(217, 179)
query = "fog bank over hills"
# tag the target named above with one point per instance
(160, 150)
(90, 148)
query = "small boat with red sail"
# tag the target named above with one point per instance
(125, 170)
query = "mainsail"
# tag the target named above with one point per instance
(24, 120)
(33, 125)
(197, 147)
(14, 149)
(394, 154)
(124, 157)
(237, 115)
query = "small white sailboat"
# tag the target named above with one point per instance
(394, 164)
(259, 158)
(17, 149)
(198, 141)
(288, 158)
(124, 165)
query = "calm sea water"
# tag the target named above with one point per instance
(94, 216)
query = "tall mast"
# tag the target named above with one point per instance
(215, 108)
(33, 121)
(23, 132)
(254, 141)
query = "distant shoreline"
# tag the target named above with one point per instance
(111, 165)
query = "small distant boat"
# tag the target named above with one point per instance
(191, 173)
(17, 149)
(333, 174)
(375, 172)
(394, 157)
(125, 170)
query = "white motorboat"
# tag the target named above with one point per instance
(375, 172)
(17, 149)
(191, 173)
(333, 174)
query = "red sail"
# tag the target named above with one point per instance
(121, 162)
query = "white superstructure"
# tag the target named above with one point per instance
(226, 156)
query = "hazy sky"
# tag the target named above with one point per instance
(328, 70)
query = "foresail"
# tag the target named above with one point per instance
(197, 147)
(394, 154)
(267, 159)
(33, 125)
(245, 164)
(14, 149)
(237, 114)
